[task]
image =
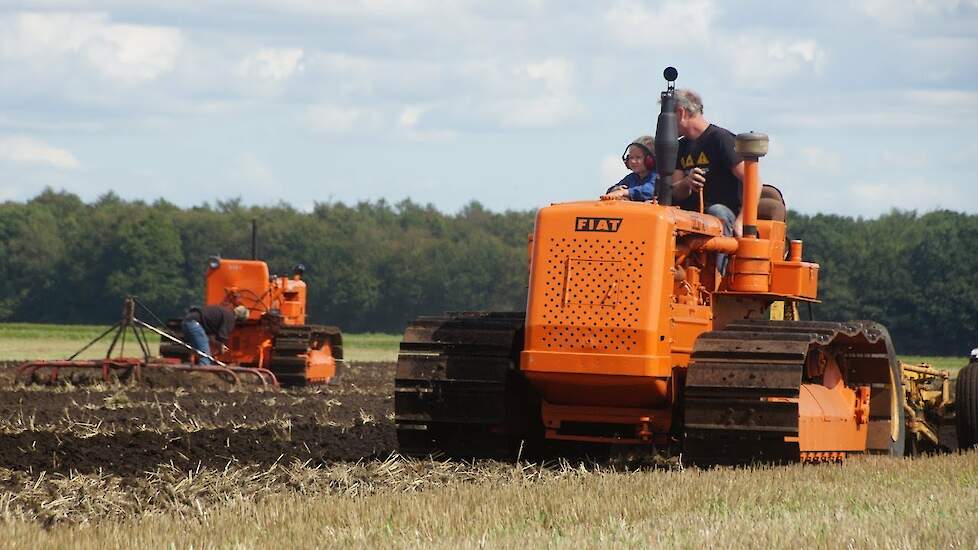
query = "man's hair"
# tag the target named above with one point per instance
(689, 100)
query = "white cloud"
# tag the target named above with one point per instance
(537, 95)
(365, 8)
(757, 63)
(674, 22)
(261, 180)
(921, 160)
(898, 109)
(583, 75)
(878, 196)
(120, 52)
(344, 63)
(901, 11)
(966, 100)
(360, 8)
(494, 92)
(557, 75)
(372, 76)
(25, 150)
(540, 112)
(411, 116)
(822, 160)
(271, 64)
(410, 126)
(752, 58)
(886, 119)
(337, 120)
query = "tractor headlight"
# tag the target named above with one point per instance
(213, 262)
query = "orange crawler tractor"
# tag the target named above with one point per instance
(275, 336)
(632, 336)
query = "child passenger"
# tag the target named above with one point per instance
(640, 184)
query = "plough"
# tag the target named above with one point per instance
(134, 366)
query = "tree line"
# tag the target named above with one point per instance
(375, 265)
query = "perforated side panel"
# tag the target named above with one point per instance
(593, 282)
(591, 290)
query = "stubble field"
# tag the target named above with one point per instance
(189, 461)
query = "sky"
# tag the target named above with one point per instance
(870, 105)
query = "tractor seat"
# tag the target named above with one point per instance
(771, 206)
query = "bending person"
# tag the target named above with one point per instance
(639, 185)
(202, 323)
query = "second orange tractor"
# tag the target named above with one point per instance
(275, 336)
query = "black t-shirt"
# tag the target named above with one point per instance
(714, 149)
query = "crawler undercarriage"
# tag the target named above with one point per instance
(459, 391)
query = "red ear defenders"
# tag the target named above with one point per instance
(649, 159)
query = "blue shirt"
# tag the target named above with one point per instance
(639, 189)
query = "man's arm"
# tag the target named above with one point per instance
(680, 191)
(224, 332)
(684, 184)
(227, 325)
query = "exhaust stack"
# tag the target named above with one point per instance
(751, 266)
(666, 139)
(751, 146)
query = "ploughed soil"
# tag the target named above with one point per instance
(189, 421)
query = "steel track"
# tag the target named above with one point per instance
(291, 343)
(458, 389)
(741, 380)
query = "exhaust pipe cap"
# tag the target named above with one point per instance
(751, 144)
